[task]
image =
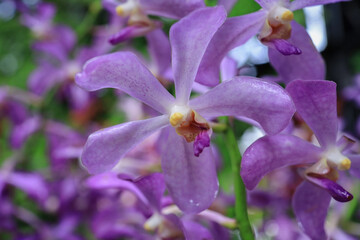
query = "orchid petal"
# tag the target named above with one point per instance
(234, 32)
(191, 181)
(159, 50)
(172, 9)
(227, 4)
(111, 180)
(299, 4)
(315, 101)
(307, 65)
(124, 71)
(268, 4)
(31, 183)
(23, 131)
(355, 164)
(195, 231)
(272, 152)
(310, 204)
(264, 102)
(228, 68)
(153, 187)
(132, 31)
(106, 147)
(334, 189)
(189, 38)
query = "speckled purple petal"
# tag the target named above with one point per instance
(299, 4)
(191, 181)
(106, 147)
(171, 9)
(308, 65)
(272, 152)
(264, 102)
(315, 101)
(334, 189)
(234, 32)
(124, 71)
(189, 38)
(310, 204)
(153, 187)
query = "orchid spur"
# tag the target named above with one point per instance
(191, 180)
(315, 101)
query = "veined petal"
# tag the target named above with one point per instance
(299, 4)
(172, 9)
(310, 204)
(189, 39)
(124, 71)
(307, 65)
(272, 152)
(315, 101)
(234, 32)
(191, 181)
(106, 147)
(266, 103)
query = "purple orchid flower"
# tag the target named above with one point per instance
(137, 11)
(191, 180)
(40, 22)
(275, 28)
(315, 101)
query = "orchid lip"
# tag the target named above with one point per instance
(335, 190)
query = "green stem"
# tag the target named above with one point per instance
(241, 214)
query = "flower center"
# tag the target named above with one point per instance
(192, 126)
(337, 159)
(277, 24)
(132, 9)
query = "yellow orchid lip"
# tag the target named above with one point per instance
(287, 16)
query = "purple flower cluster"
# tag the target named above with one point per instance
(156, 174)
